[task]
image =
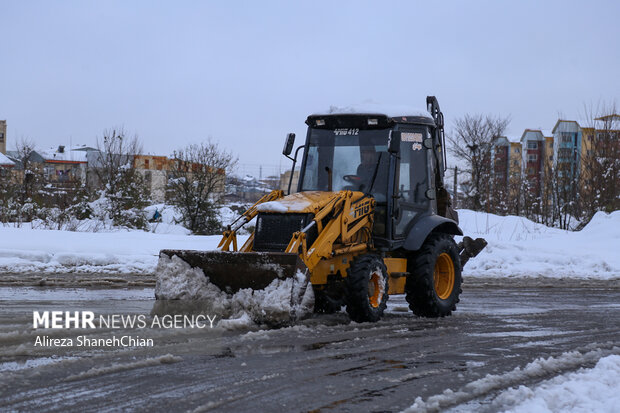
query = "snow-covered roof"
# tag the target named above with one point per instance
(83, 148)
(67, 154)
(598, 123)
(391, 111)
(532, 134)
(585, 123)
(4, 161)
(565, 125)
(501, 141)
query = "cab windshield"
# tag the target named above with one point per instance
(349, 157)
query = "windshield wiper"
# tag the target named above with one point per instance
(374, 174)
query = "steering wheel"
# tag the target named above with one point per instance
(354, 179)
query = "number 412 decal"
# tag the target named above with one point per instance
(345, 131)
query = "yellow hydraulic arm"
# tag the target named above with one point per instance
(351, 213)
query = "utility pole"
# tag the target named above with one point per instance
(454, 188)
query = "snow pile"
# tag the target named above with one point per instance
(227, 215)
(587, 390)
(280, 303)
(163, 220)
(177, 280)
(519, 247)
(539, 368)
(27, 250)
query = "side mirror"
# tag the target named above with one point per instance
(394, 142)
(288, 144)
(428, 143)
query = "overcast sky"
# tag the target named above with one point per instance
(246, 73)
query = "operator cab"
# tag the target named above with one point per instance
(348, 150)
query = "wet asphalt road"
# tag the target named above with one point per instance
(325, 363)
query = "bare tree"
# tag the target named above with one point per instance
(32, 175)
(546, 201)
(515, 187)
(565, 192)
(471, 139)
(600, 160)
(30, 181)
(8, 195)
(122, 191)
(198, 174)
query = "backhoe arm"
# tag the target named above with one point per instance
(351, 214)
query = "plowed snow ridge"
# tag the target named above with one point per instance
(539, 368)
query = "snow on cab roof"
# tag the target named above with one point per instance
(390, 111)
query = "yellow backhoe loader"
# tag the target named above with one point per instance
(370, 218)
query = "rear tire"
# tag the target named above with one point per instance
(367, 288)
(434, 282)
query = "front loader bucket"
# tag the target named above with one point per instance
(233, 271)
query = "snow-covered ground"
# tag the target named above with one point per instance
(517, 248)
(25, 250)
(28, 249)
(586, 390)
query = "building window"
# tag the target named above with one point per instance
(517, 150)
(532, 145)
(146, 164)
(550, 157)
(1, 137)
(550, 145)
(530, 171)
(532, 158)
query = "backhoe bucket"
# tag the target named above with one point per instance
(233, 271)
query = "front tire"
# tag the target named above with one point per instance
(434, 282)
(367, 288)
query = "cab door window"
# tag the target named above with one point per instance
(413, 179)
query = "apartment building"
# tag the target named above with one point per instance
(568, 137)
(535, 153)
(507, 160)
(154, 170)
